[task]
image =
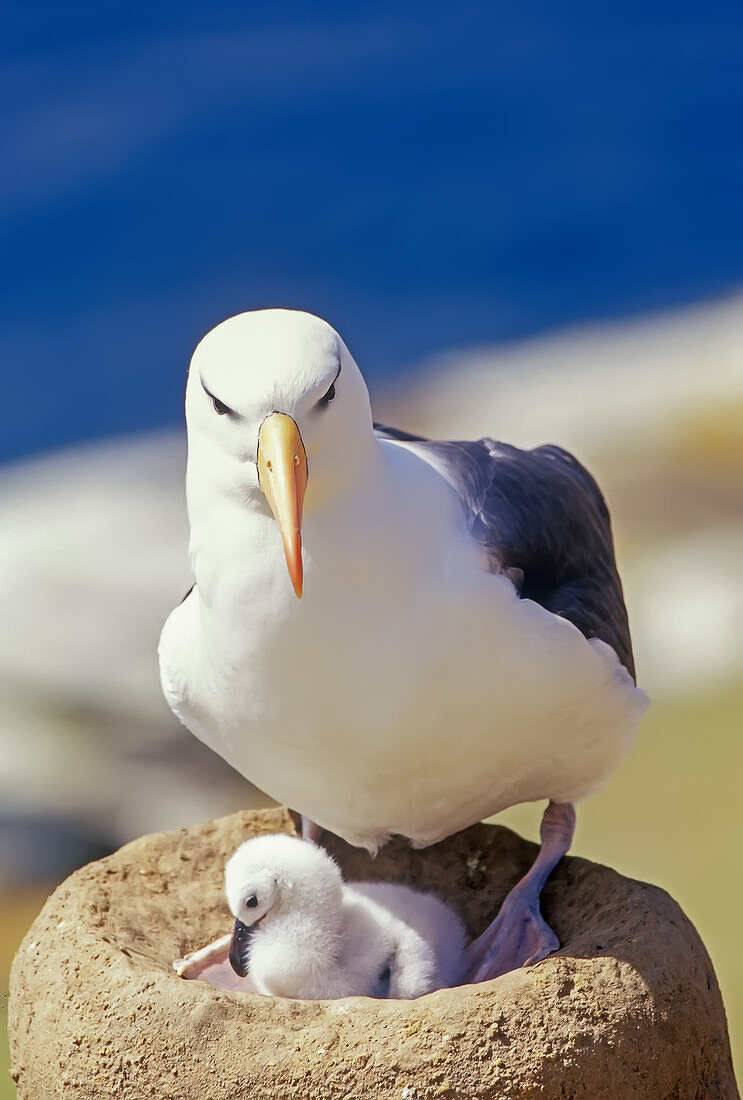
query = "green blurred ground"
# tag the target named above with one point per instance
(672, 816)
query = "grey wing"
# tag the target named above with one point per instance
(541, 519)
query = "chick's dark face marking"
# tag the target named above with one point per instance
(239, 948)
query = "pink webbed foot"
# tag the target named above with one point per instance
(519, 935)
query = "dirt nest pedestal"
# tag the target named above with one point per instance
(629, 1007)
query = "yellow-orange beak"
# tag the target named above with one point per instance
(282, 473)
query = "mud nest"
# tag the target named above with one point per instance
(629, 1007)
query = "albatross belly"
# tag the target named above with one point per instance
(414, 710)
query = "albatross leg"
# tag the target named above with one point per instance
(311, 831)
(519, 935)
(307, 829)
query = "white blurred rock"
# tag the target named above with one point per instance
(687, 611)
(591, 388)
(92, 559)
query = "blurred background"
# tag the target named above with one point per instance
(525, 220)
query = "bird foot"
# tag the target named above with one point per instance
(519, 936)
(211, 964)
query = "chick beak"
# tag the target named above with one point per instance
(239, 948)
(282, 474)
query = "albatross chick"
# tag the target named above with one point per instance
(300, 931)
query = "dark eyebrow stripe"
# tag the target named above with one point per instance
(208, 392)
(337, 374)
(319, 403)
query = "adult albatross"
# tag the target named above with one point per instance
(460, 642)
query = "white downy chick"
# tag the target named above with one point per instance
(300, 931)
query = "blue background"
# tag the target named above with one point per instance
(423, 175)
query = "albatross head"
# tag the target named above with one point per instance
(278, 876)
(276, 406)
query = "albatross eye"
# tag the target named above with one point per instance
(251, 902)
(219, 406)
(327, 397)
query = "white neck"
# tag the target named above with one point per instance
(235, 540)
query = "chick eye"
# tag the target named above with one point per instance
(251, 902)
(219, 406)
(327, 397)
